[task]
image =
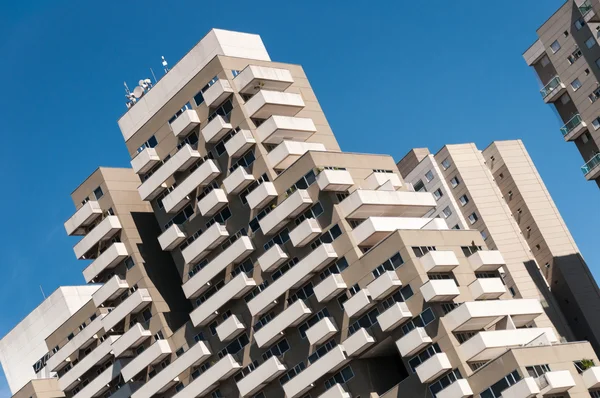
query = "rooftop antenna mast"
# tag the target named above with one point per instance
(43, 294)
(165, 64)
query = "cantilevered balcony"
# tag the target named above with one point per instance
(131, 339)
(524, 388)
(336, 391)
(487, 288)
(230, 328)
(208, 240)
(234, 289)
(145, 160)
(111, 289)
(110, 258)
(239, 143)
(358, 304)
(100, 383)
(374, 229)
(433, 367)
(83, 217)
(304, 381)
(216, 129)
(329, 287)
(358, 342)
(166, 378)
(182, 160)
(214, 201)
(276, 129)
(591, 170)
(272, 258)
(553, 90)
(321, 331)
(364, 203)
(573, 128)
(305, 232)
(202, 176)
(486, 260)
(291, 207)
(171, 238)
(487, 345)
(150, 356)
(591, 377)
(293, 278)
(439, 261)
(292, 316)
(217, 93)
(133, 304)
(260, 377)
(384, 285)
(413, 342)
(555, 382)
(394, 316)
(105, 230)
(254, 78)
(287, 152)
(439, 290)
(334, 180)
(459, 389)
(265, 104)
(234, 254)
(261, 195)
(477, 315)
(208, 380)
(237, 180)
(379, 180)
(185, 123)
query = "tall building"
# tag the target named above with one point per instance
(255, 259)
(566, 59)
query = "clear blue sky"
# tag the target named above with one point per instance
(414, 74)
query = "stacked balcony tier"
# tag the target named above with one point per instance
(145, 160)
(265, 104)
(291, 207)
(237, 180)
(185, 123)
(287, 152)
(277, 129)
(208, 240)
(330, 287)
(364, 203)
(82, 218)
(133, 304)
(217, 93)
(171, 237)
(240, 143)
(131, 339)
(105, 230)
(335, 180)
(292, 316)
(200, 177)
(254, 78)
(477, 315)
(150, 356)
(374, 229)
(261, 195)
(208, 380)
(216, 129)
(261, 376)
(111, 289)
(110, 258)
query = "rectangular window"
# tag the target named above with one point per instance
(446, 163)
(336, 268)
(437, 194)
(276, 350)
(454, 181)
(420, 251)
(447, 212)
(545, 61)
(590, 42)
(324, 313)
(284, 268)
(580, 23)
(575, 55)
(98, 193)
(594, 95)
(463, 200)
(565, 99)
(473, 218)
(429, 176)
(596, 123)
(419, 186)
(555, 46)
(575, 84)
(341, 377)
(388, 265)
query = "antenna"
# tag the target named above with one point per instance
(126, 88)
(153, 75)
(165, 64)
(43, 294)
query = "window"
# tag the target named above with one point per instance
(216, 394)
(447, 212)
(473, 218)
(366, 321)
(235, 346)
(424, 355)
(590, 42)
(512, 291)
(98, 193)
(555, 46)
(276, 350)
(463, 200)
(419, 186)
(446, 163)
(437, 194)
(246, 267)
(293, 372)
(537, 370)
(565, 99)
(327, 236)
(594, 95)
(181, 217)
(585, 137)
(400, 296)
(314, 212)
(341, 377)
(598, 62)
(586, 71)
(151, 143)
(495, 391)
(454, 181)
(234, 72)
(306, 181)
(129, 263)
(545, 61)
(420, 251)
(421, 320)
(324, 313)
(321, 351)
(244, 161)
(596, 123)
(284, 268)
(278, 239)
(303, 293)
(444, 381)
(254, 292)
(484, 235)
(429, 176)
(220, 217)
(224, 111)
(580, 23)
(388, 265)
(263, 321)
(575, 84)
(336, 268)
(575, 55)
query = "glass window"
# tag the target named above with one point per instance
(446, 163)
(429, 176)
(565, 99)
(575, 84)
(484, 235)
(419, 186)
(447, 212)
(473, 218)
(463, 200)
(580, 23)
(590, 42)
(596, 123)
(437, 194)
(454, 181)
(98, 193)
(555, 46)
(545, 61)
(598, 62)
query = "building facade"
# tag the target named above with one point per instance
(246, 255)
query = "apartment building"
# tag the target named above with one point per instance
(566, 59)
(275, 265)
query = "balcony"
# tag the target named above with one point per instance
(110, 258)
(144, 161)
(573, 128)
(216, 129)
(83, 217)
(214, 201)
(487, 345)
(291, 207)
(377, 180)
(525, 388)
(486, 260)
(413, 342)
(591, 377)
(336, 391)
(487, 288)
(364, 203)
(101, 383)
(208, 380)
(304, 381)
(555, 382)
(292, 316)
(358, 304)
(329, 287)
(239, 143)
(477, 315)
(261, 195)
(587, 10)
(375, 229)
(384, 285)
(292, 279)
(261, 376)
(433, 367)
(111, 289)
(105, 230)
(286, 153)
(553, 90)
(305, 232)
(131, 339)
(439, 261)
(171, 238)
(234, 289)
(150, 356)
(276, 129)
(202, 176)
(335, 180)
(394, 316)
(358, 342)
(182, 160)
(165, 379)
(591, 170)
(96, 357)
(234, 254)
(185, 123)
(459, 389)
(133, 304)
(322, 331)
(439, 290)
(265, 104)
(217, 93)
(230, 328)
(237, 180)
(254, 78)
(272, 258)
(208, 240)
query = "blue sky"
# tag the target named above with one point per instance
(414, 74)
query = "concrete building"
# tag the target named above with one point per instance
(255, 259)
(566, 59)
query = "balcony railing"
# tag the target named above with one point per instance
(549, 88)
(585, 7)
(571, 125)
(591, 164)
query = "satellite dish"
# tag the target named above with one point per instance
(148, 81)
(141, 82)
(138, 92)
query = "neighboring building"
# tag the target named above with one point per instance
(296, 270)
(566, 59)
